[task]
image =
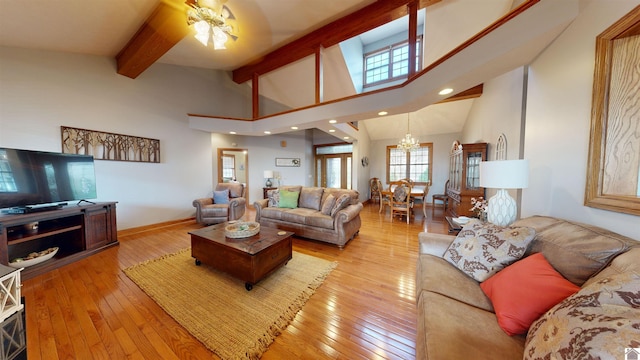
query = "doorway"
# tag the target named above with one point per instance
(233, 165)
(333, 166)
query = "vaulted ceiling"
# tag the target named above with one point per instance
(112, 27)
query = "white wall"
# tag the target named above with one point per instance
(262, 152)
(558, 120)
(498, 111)
(40, 91)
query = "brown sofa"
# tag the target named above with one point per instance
(307, 220)
(456, 320)
(207, 212)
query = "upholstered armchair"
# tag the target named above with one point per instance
(228, 203)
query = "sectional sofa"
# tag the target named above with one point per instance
(572, 292)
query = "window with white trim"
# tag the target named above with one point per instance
(414, 165)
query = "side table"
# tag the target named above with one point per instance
(9, 291)
(454, 227)
(265, 189)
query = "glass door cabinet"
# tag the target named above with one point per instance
(464, 177)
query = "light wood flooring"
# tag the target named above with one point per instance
(364, 310)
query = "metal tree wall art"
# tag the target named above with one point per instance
(109, 146)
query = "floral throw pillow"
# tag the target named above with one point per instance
(481, 250)
(341, 202)
(274, 198)
(598, 322)
(328, 204)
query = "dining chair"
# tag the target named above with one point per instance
(423, 199)
(385, 196)
(375, 188)
(442, 197)
(401, 200)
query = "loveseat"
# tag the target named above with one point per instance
(324, 214)
(227, 203)
(593, 273)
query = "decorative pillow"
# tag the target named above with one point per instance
(598, 322)
(221, 197)
(274, 198)
(522, 292)
(311, 198)
(289, 199)
(341, 203)
(328, 204)
(481, 250)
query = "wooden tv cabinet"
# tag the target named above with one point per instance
(77, 230)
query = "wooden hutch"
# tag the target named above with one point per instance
(464, 177)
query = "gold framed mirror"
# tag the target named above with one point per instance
(613, 169)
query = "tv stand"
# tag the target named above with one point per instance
(78, 231)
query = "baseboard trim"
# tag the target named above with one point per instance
(144, 228)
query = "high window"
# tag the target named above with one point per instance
(414, 165)
(389, 63)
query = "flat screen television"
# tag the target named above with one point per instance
(31, 178)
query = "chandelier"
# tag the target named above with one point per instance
(408, 143)
(212, 21)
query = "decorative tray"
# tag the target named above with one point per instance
(240, 230)
(34, 258)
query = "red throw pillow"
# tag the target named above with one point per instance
(524, 291)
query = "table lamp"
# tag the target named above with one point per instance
(502, 175)
(268, 174)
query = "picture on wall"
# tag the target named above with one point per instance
(290, 162)
(109, 146)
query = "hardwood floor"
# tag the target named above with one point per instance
(364, 310)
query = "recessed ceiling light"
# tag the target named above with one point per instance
(294, 128)
(382, 113)
(333, 121)
(346, 138)
(332, 130)
(446, 91)
(267, 132)
(232, 132)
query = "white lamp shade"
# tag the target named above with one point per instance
(504, 174)
(268, 174)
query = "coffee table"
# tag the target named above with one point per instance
(249, 259)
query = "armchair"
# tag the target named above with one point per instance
(208, 212)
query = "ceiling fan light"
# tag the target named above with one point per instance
(203, 38)
(219, 38)
(202, 32)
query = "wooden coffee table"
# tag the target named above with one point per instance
(249, 259)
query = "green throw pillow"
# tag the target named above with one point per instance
(288, 199)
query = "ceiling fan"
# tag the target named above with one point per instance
(213, 21)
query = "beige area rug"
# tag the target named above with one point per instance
(217, 309)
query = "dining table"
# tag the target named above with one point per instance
(416, 193)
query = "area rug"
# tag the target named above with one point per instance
(217, 309)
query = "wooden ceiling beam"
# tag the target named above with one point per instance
(471, 93)
(164, 28)
(356, 23)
